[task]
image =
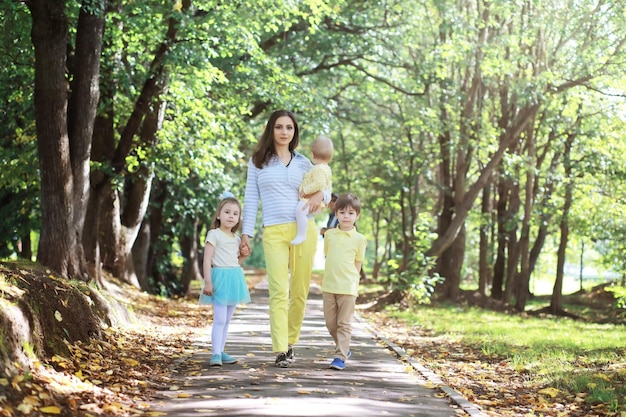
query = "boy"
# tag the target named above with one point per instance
(344, 249)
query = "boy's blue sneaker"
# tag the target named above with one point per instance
(337, 364)
(227, 359)
(216, 360)
(349, 354)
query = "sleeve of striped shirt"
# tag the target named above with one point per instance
(250, 201)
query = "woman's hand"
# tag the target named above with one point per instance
(314, 202)
(244, 247)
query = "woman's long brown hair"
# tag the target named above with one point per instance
(265, 147)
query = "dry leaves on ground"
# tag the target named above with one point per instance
(114, 376)
(488, 381)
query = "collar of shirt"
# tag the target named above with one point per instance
(348, 232)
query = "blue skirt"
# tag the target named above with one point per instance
(229, 287)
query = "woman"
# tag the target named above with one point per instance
(275, 172)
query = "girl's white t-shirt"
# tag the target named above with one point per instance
(226, 248)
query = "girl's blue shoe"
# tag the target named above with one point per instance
(216, 360)
(227, 359)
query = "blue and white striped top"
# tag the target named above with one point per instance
(275, 186)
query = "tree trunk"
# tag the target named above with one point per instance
(522, 290)
(523, 283)
(90, 235)
(64, 129)
(408, 226)
(499, 268)
(556, 300)
(141, 251)
(190, 251)
(59, 239)
(121, 217)
(26, 249)
(462, 210)
(546, 215)
(376, 231)
(155, 218)
(103, 146)
(451, 263)
(484, 276)
(110, 233)
(82, 108)
(513, 247)
(446, 213)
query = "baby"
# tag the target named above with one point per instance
(318, 178)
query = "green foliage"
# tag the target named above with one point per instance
(395, 95)
(619, 292)
(416, 277)
(19, 175)
(94, 7)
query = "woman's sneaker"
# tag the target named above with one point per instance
(291, 356)
(281, 360)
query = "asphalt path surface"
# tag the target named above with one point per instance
(379, 378)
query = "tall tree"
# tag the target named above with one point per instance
(64, 114)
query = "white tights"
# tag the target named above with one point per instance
(221, 319)
(302, 221)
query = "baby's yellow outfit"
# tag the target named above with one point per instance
(318, 178)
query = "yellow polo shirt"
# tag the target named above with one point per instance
(342, 249)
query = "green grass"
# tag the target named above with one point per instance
(573, 356)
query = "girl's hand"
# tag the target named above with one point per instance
(208, 288)
(314, 202)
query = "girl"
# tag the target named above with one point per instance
(224, 282)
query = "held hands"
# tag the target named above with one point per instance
(244, 247)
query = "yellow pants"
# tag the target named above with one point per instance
(289, 270)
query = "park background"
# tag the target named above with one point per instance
(484, 138)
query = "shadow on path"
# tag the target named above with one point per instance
(374, 383)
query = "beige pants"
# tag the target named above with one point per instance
(338, 313)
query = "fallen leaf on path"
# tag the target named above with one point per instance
(552, 392)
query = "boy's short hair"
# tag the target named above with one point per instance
(348, 200)
(322, 147)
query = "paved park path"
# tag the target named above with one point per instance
(379, 378)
